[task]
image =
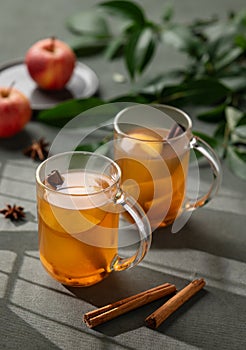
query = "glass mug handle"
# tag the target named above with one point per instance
(202, 147)
(144, 230)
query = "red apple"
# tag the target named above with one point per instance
(15, 111)
(50, 63)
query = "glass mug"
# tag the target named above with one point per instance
(79, 200)
(152, 146)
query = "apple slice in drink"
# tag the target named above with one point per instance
(150, 143)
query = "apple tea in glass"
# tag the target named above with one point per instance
(79, 201)
(152, 147)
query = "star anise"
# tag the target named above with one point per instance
(13, 212)
(37, 150)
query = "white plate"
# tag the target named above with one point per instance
(83, 83)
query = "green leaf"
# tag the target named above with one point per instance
(139, 50)
(236, 81)
(233, 116)
(129, 54)
(155, 85)
(220, 30)
(241, 131)
(87, 45)
(101, 146)
(125, 9)
(212, 141)
(89, 23)
(61, 114)
(220, 136)
(198, 26)
(242, 121)
(220, 46)
(114, 47)
(227, 58)
(168, 13)
(237, 140)
(88, 147)
(145, 49)
(214, 115)
(131, 98)
(239, 19)
(236, 161)
(219, 133)
(183, 39)
(240, 41)
(195, 92)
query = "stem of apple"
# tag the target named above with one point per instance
(7, 91)
(52, 43)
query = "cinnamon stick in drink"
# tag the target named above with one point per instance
(110, 311)
(160, 315)
(54, 179)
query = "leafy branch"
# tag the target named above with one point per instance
(214, 77)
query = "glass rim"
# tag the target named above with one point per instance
(157, 106)
(103, 190)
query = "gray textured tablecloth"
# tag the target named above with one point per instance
(38, 313)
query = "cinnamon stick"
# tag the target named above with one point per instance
(55, 179)
(160, 315)
(110, 311)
